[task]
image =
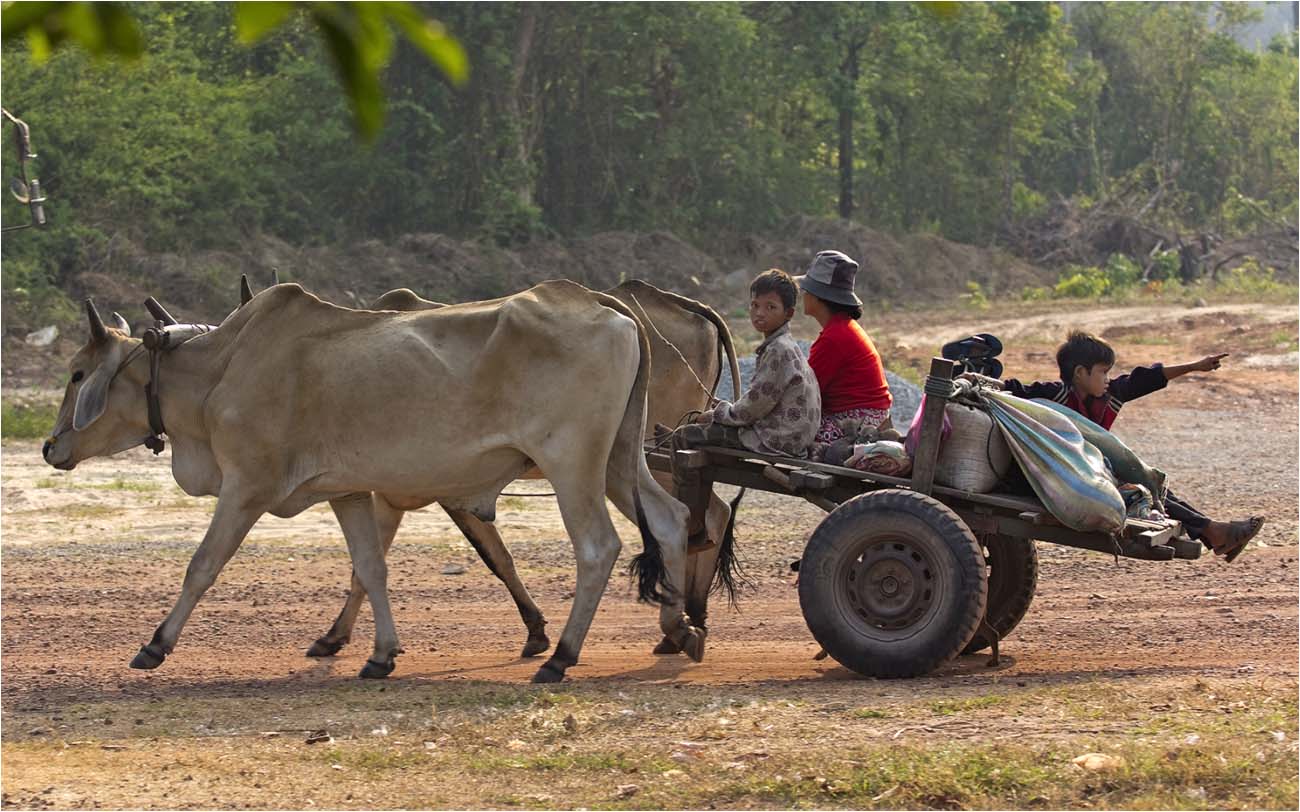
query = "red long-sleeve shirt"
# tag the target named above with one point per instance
(848, 368)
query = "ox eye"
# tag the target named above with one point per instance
(78, 375)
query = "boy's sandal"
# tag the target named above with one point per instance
(1254, 524)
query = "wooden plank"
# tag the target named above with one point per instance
(804, 479)
(690, 459)
(739, 459)
(927, 447)
(1038, 517)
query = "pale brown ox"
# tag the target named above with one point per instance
(689, 342)
(292, 401)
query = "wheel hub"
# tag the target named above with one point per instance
(891, 585)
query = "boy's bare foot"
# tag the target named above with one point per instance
(1229, 539)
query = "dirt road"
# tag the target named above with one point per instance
(93, 558)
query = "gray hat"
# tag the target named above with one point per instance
(830, 277)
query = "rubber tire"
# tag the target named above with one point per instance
(1013, 578)
(959, 581)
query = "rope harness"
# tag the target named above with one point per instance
(157, 340)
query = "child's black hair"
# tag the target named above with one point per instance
(775, 281)
(853, 311)
(1082, 350)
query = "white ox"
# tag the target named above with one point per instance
(292, 401)
(689, 342)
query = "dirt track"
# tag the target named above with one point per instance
(93, 559)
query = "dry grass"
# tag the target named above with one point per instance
(1226, 744)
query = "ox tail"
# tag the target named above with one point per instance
(730, 577)
(648, 565)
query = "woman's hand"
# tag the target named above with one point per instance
(704, 418)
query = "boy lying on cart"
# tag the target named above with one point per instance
(1085, 362)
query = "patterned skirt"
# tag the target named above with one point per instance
(847, 424)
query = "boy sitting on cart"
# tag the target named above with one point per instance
(781, 411)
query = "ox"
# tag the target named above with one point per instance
(688, 343)
(292, 401)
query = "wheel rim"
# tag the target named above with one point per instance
(890, 587)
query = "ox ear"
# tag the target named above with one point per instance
(91, 399)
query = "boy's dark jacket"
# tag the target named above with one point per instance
(1103, 410)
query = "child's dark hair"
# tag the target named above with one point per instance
(775, 281)
(852, 311)
(1082, 350)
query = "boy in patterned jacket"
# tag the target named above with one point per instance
(781, 410)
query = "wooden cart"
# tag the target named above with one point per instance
(903, 575)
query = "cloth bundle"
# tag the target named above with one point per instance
(881, 457)
(1068, 473)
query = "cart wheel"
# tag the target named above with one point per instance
(1013, 577)
(892, 584)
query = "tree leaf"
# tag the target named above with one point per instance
(17, 18)
(429, 36)
(360, 83)
(121, 36)
(255, 20)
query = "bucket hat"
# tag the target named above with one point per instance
(830, 277)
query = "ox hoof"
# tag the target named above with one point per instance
(667, 646)
(550, 672)
(377, 670)
(693, 644)
(325, 647)
(536, 645)
(148, 658)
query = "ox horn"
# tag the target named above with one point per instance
(275, 275)
(157, 311)
(245, 290)
(121, 323)
(97, 331)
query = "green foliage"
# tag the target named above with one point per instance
(975, 296)
(1122, 272)
(1082, 283)
(1164, 266)
(713, 120)
(1253, 280)
(358, 37)
(103, 28)
(27, 421)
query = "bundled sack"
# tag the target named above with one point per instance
(1068, 473)
(881, 457)
(1126, 465)
(975, 456)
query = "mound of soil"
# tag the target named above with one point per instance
(204, 285)
(916, 267)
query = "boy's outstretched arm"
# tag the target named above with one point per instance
(1207, 364)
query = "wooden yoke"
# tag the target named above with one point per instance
(938, 389)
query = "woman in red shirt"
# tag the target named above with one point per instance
(855, 394)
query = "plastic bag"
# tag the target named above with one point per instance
(1126, 465)
(881, 457)
(1068, 473)
(914, 431)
